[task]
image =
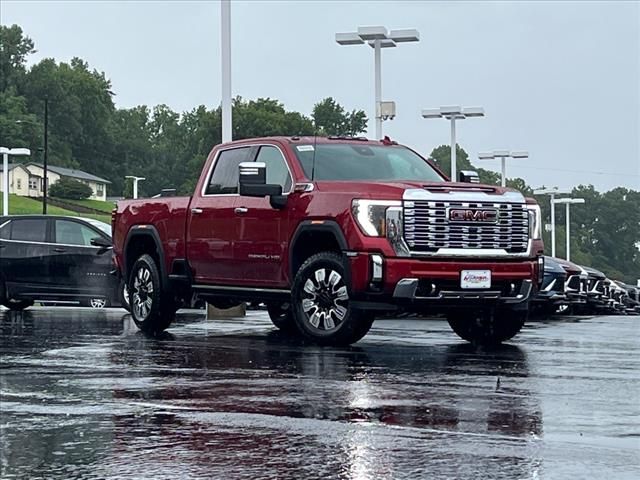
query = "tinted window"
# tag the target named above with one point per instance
(277, 171)
(5, 229)
(364, 162)
(225, 171)
(29, 230)
(74, 233)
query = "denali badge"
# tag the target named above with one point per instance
(471, 215)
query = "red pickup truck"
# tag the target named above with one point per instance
(329, 233)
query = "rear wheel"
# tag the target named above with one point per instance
(282, 316)
(123, 295)
(151, 309)
(17, 305)
(490, 327)
(321, 302)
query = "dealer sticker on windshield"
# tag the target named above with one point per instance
(475, 279)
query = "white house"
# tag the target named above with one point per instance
(26, 179)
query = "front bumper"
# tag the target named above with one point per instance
(437, 281)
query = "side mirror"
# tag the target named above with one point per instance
(101, 242)
(253, 181)
(468, 176)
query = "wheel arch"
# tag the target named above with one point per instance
(143, 239)
(313, 237)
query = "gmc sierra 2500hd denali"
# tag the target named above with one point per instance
(329, 233)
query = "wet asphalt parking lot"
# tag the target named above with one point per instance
(83, 394)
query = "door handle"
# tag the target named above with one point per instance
(196, 211)
(240, 210)
(59, 250)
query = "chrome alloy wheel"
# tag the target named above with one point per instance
(326, 298)
(142, 293)
(97, 303)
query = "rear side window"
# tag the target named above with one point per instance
(74, 233)
(29, 230)
(224, 179)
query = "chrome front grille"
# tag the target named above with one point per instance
(428, 228)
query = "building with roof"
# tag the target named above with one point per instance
(26, 179)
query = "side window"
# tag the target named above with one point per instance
(277, 171)
(224, 179)
(29, 230)
(5, 229)
(74, 233)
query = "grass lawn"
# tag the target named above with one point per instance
(28, 206)
(105, 207)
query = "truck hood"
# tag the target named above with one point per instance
(421, 190)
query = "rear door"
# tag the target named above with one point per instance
(80, 268)
(210, 230)
(25, 255)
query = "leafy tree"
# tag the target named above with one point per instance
(70, 189)
(331, 119)
(14, 48)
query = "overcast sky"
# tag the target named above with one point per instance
(561, 80)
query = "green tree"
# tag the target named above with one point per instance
(331, 119)
(14, 49)
(71, 189)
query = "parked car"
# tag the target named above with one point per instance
(56, 259)
(595, 289)
(329, 232)
(551, 297)
(575, 286)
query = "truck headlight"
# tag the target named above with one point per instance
(371, 215)
(535, 221)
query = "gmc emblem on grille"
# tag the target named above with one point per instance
(470, 215)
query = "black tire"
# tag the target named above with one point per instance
(152, 309)
(95, 302)
(487, 327)
(17, 305)
(282, 316)
(320, 302)
(123, 296)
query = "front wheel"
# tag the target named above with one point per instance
(151, 310)
(490, 327)
(322, 307)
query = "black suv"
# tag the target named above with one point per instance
(56, 259)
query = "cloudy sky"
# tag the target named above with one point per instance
(561, 80)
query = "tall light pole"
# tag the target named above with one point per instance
(552, 192)
(378, 38)
(452, 114)
(5, 151)
(568, 202)
(502, 155)
(135, 184)
(225, 29)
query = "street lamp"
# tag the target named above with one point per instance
(135, 184)
(552, 192)
(452, 114)
(5, 170)
(568, 202)
(225, 33)
(378, 38)
(502, 155)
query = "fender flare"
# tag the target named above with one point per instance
(144, 230)
(330, 226)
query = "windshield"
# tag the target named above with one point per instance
(343, 161)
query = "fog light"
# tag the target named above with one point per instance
(376, 268)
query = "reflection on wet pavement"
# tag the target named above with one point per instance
(85, 395)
